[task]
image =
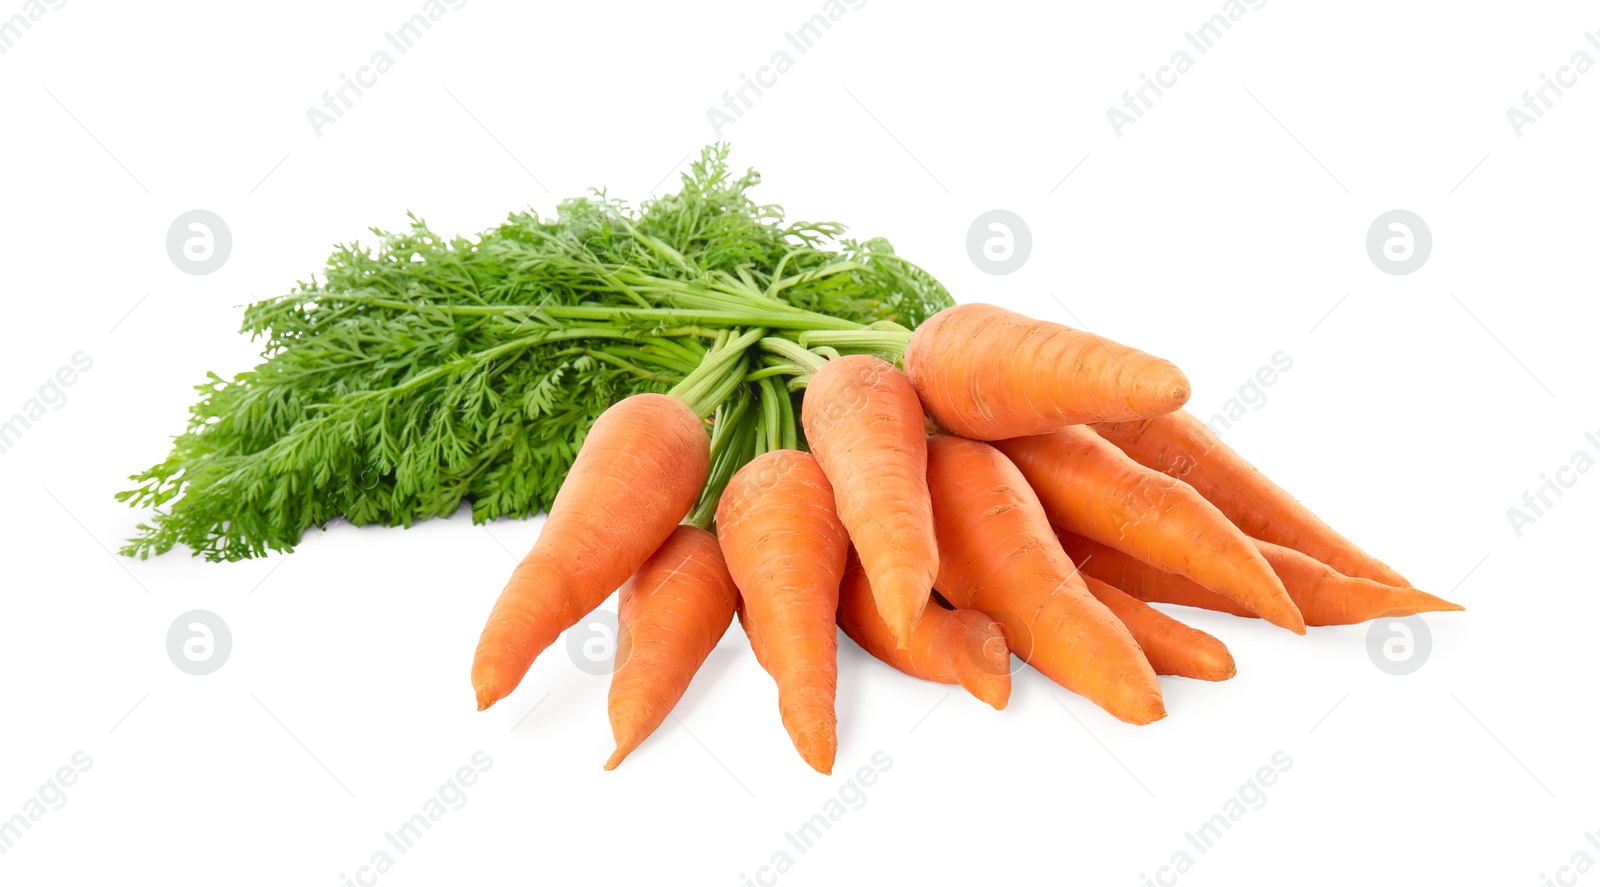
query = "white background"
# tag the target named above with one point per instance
(1220, 229)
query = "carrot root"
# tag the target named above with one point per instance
(673, 610)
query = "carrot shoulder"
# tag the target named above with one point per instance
(865, 426)
(673, 610)
(1325, 597)
(1172, 647)
(1093, 489)
(963, 647)
(987, 373)
(1181, 445)
(998, 555)
(785, 548)
(638, 473)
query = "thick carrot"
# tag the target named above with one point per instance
(1181, 445)
(1324, 596)
(987, 373)
(785, 549)
(639, 471)
(963, 647)
(865, 425)
(673, 610)
(997, 554)
(1093, 489)
(1172, 647)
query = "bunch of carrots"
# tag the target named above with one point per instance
(988, 484)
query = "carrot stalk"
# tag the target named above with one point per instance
(865, 426)
(1093, 489)
(1181, 445)
(998, 555)
(1324, 596)
(988, 373)
(1172, 647)
(638, 473)
(963, 647)
(785, 548)
(673, 610)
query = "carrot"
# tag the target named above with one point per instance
(785, 548)
(865, 426)
(1172, 647)
(639, 471)
(963, 647)
(1091, 488)
(1323, 595)
(1181, 445)
(987, 373)
(997, 554)
(673, 610)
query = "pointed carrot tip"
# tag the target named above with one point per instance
(486, 698)
(615, 759)
(817, 748)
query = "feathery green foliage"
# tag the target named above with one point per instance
(426, 372)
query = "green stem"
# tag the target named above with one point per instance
(889, 344)
(718, 375)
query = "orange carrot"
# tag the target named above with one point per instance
(1324, 596)
(1172, 647)
(1091, 488)
(639, 471)
(988, 373)
(673, 611)
(865, 425)
(1181, 445)
(997, 554)
(963, 647)
(785, 548)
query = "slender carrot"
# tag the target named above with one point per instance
(988, 373)
(997, 554)
(865, 425)
(639, 471)
(785, 549)
(1091, 488)
(1323, 595)
(673, 610)
(1181, 445)
(963, 647)
(1172, 647)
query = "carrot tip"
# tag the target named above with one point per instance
(616, 758)
(486, 698)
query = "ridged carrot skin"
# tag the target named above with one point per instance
(1181, 445)
(987, 373)
(1324, 596)
(673, 611)
(638, 473)
(866, 428)
(1172, 647)
(998, 555)
(1093, 489)
(785, 548)
(963, 647)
